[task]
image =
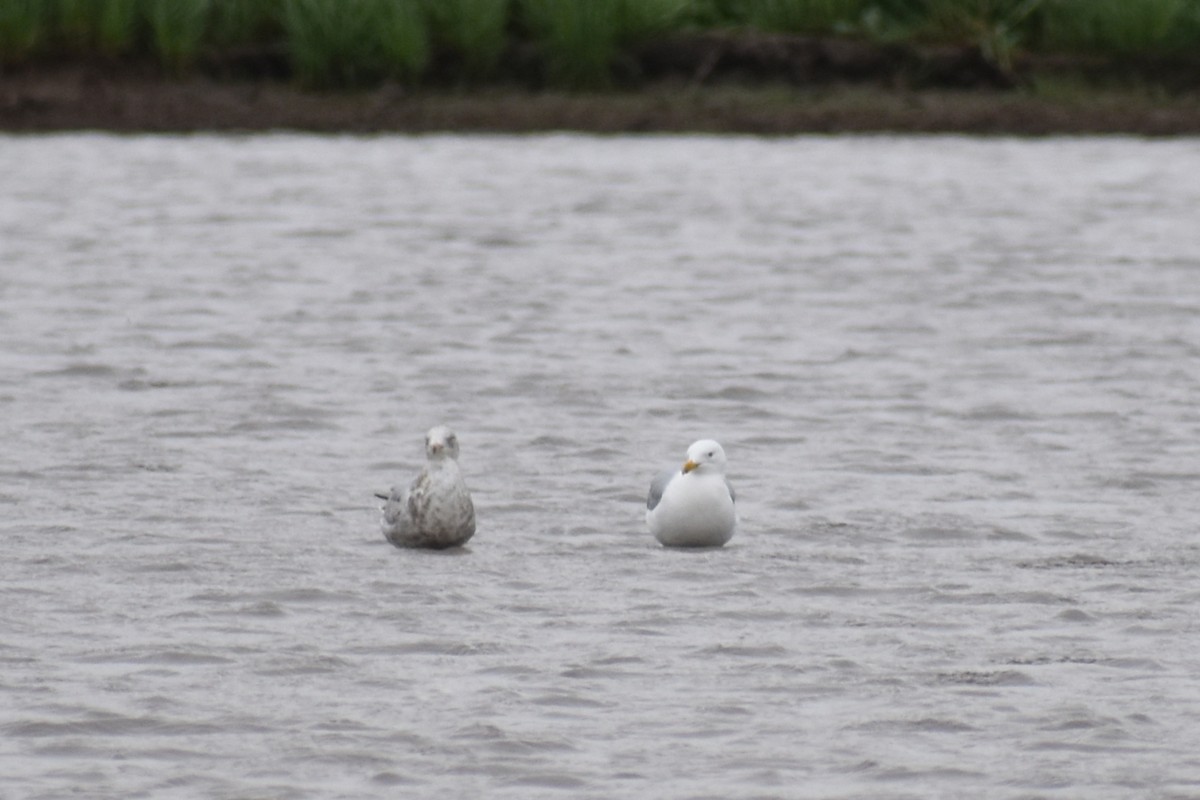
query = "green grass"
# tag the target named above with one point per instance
(111, 28)
(1186, 35)
(178, 29)
(76, 23)
(346, 43)
(580, 40)
(237, 23)
(804, 16)
(1122, 27)
(641, 20)
(117, 26)
(577, 39)
(998, 28)
(402, 38)
(24, 24)
(475, 32)
(576, 44)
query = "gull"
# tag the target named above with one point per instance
(693, 507)
(435, 511)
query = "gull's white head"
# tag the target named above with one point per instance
(441, 443)
(705, 455)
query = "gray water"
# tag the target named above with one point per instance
(956, 379)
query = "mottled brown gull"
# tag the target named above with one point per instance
(435, 511)
(693, 506)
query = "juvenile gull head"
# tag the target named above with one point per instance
(435, 511)
(440, 442)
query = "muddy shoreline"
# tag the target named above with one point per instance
(767, 85)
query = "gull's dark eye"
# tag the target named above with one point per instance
(710, 454)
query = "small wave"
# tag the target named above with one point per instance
(285, 424)
(170, 656)
(266, 608)
(995, 412)
(738, 392)
(568, 700)
(1007, 677)
(1076, 561)
(309, 594)
(392, 779)
(1000, 598)
(1075, 615)
(554, 442)
(746, 651)
(548, 780)
(932, 533)
(315, 665)
(143, 385)
(81, 370)
(165, 566)
(497, 740)
(1040, 660)
(920, 725)
(432, 647)
(104, 724)
(586, 672)
(226, 341)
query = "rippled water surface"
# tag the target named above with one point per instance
(957, 381)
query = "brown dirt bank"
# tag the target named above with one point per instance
(716, 83)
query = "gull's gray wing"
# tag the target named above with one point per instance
(732, 494)
(395, 510)
(657, 487)
(400, 512)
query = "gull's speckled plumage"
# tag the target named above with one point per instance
(435, 511)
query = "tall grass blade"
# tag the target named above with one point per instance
(577, 39)
(1124, 27)
(244, 22)
(117, 27)
(322, 42)
(716, 13)
(355, 42)
(178, 28)
(402, 38)
(76, 23)
(803, 16)
(638, 20)
(1185, 36)
(23, 28)
(475, 31)
(995, 27)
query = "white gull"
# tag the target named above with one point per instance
(694, 506)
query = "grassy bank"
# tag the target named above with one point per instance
(557, 44)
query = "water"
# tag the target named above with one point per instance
(956, 380)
